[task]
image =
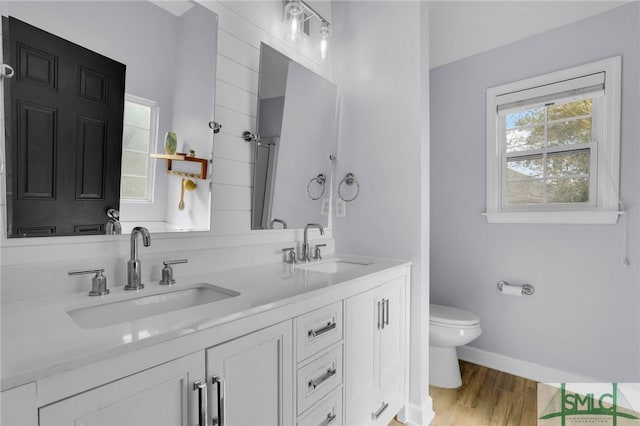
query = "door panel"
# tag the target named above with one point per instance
(91, 147)
(392, 342)
(361, 357)
(37, 152)
(63, 113)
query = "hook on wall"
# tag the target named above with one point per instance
(215, 126)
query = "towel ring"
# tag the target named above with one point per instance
(320, 180)
(349, 179)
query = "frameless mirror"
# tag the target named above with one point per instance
(297, 131)
(169, 51)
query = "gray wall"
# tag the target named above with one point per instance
(379, 50)
(585, 315)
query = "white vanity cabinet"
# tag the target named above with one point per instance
(337, 357)
(162, 395)
(375, 339)
(251, 378)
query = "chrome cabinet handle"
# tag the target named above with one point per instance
(385, 318)
(314, 383)
(219, 381)
(319, 332)
(330, 418)
(374, 416)
(380, 321)
(201, 387)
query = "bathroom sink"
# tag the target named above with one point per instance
(116, 312)
(333, 266)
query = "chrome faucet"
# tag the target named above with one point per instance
(306, 250)
(134, 266)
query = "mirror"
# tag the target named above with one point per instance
(169, 50)
(297, 127)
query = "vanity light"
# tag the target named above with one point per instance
(296, 12)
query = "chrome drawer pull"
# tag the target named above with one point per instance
(217, 380)
(315, 333)
(314, 383)
(374, 416)
(330, 417)
(201, 387)
(380, 321)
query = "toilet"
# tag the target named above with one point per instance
(448, 329)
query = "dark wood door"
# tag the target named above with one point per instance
(63, 120)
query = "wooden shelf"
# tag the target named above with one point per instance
(184, 157)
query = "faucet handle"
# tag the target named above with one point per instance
(167, 271)
(290, 252)
(316, 251)
(98, 282)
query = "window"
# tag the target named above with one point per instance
(553, 146)
(139, 136)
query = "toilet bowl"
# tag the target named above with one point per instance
(448, 329)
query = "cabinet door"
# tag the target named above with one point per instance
(18, 406)
(362, 360)
(162, 395)
(392, 348)
(255, 376)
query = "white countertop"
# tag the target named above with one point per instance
(40, 339)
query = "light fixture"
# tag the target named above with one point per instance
(296, 12)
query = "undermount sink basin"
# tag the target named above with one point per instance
(333, 266)
(111, 313)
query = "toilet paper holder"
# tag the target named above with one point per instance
(527, 289)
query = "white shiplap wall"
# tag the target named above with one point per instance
(37, 266)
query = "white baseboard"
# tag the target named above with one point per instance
(518, 367)
(414, 415)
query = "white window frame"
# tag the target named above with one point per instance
(153, 137)
(605, 152)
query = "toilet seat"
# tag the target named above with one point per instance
(452, 317)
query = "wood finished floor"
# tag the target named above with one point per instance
(487, 398)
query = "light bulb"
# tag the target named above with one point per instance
(325, 31)
(294, 28)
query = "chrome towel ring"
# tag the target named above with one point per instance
(349, 180)
(320, 180)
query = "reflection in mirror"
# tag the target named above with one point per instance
(169, 51)
(297, 128)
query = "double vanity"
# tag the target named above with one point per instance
(318, 343)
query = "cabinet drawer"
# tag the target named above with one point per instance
(327, 413)
(318, 329)
(318, 378)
